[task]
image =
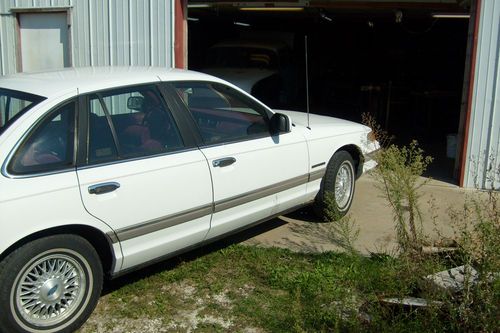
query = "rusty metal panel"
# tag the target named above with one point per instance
(483, 149)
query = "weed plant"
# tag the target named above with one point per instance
(399, 178)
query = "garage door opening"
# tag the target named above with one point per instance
(405, 66)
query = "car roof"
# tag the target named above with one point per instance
(87, 79)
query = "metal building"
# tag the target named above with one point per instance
(482, 135)
(39, 34)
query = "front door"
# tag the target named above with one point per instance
(255, 174)
(141, 177)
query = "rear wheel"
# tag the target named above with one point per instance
(51, 284)
(338, 184)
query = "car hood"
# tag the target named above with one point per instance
(244, 78)
(323, 122)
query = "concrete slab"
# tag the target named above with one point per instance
(302, 231)
(454, 279)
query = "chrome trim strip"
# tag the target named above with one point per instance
(318, 165)
(112, 237)
(163, 222)
(147, 227)
(259, 193)
(316, 175)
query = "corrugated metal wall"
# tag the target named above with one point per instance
(484, 126)
(103, 32)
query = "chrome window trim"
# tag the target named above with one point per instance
(35, 175)
(225, 143)
(133, 159)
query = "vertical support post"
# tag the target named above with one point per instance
(307, 80)
(180, 34)
(465, 113)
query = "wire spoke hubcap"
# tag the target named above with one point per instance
(50, 289)
(343, 185)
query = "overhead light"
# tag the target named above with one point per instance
(241, 24)
(272, 9)
(193, 19)
(451, 15)
(199, 5)
(325, 17)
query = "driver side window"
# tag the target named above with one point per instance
(221, 113)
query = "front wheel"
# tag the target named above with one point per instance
(51, 284)
(337, 187)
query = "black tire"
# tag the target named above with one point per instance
(62, 272)
(340, 165)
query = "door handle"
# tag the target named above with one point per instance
(222, 162)
(103, 188)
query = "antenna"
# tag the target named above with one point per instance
(307, 82)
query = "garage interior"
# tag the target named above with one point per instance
(402, 62)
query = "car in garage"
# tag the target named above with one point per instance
(263, 69)
(105, 170)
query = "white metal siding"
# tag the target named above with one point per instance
(103, 32)
(484, 127)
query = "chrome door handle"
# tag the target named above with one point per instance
(222, 162)
(103, 188)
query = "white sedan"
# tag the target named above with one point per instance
(104, 170)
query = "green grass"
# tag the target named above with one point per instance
(250, 289)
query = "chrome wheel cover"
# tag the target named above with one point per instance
(50, 288)
(344, 182)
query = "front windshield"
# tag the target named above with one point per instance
(242, 57)
(13, 104)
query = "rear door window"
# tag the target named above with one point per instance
(130, 122)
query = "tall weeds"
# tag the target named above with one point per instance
(398, 175)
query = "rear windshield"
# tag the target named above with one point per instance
(13, 104)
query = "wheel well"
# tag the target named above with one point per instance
(356, 155)
(95, 237)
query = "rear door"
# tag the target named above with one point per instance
(255, 174)
(142, 174)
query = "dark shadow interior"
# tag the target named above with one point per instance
(405, 67)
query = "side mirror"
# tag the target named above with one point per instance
(135, 103)
(279, 123)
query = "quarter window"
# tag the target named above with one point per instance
(13, 104)
(130, 122)
(221, 113)
(50, 147)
